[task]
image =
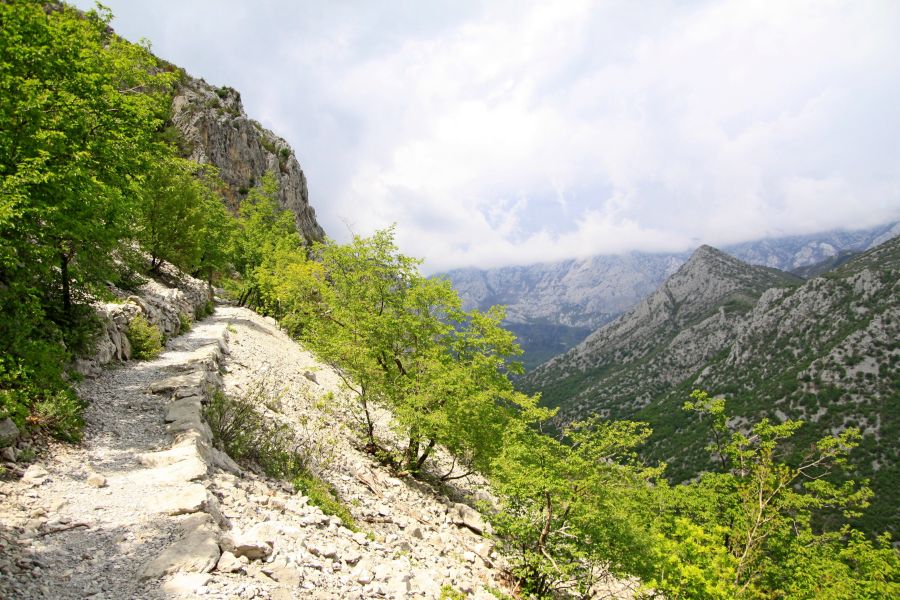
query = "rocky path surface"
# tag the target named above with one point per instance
(411, 540)
(85, 518)
(144, 508)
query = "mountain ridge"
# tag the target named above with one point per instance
(823, 351)
(552, 307)
(688, 301)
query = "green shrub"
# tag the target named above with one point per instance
(146, 340)
(204, 310)
(241, 430)
(448, 592)
(268, 145)
(185, 322)
(325, 497)
(60, 413)
(34, 392)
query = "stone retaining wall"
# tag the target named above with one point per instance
(162, 306)
(186, 465)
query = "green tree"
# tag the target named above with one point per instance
(79, 108)
(749, 530)
(574, 512)
(262, 228)
(183, 219)
(399, 339)
(403, 340)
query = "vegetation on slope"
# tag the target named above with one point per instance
(86, 174)
(78, 112)
(823, 352)
(88, 170)
(575, 509)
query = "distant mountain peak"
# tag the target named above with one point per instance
(710, 275)
(707, 255)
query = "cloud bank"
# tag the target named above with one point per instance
(511, 133)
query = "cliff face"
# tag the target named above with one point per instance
(217, 131)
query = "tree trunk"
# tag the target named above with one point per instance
(548, 521)
(370, 426)
(64, 274)
(412, 451)
(425, 454)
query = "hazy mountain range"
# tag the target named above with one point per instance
(553, 306)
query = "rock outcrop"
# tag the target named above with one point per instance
(166, 303)
(217, 131)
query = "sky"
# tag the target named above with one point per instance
(514, 132)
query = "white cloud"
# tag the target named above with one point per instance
(517, 132)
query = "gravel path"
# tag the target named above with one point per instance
(87, 522)
(84, 529)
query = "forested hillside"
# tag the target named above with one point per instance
(824, 352)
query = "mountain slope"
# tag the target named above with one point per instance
(667, 336)
(825, 265)
(215, 130)
(552, 307)
(793, 253)
(825, 352)
(574, 293)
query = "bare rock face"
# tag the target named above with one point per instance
(9, 433)
(217, 131)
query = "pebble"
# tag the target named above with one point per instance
(96, 480)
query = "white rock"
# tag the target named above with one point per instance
(322, 550)
(363, 576)
(186, 584)
(256, 543)
(35, 475)
(229, 563)
(197, 552)
(463, 515)
(96, 480)
(181, 500)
